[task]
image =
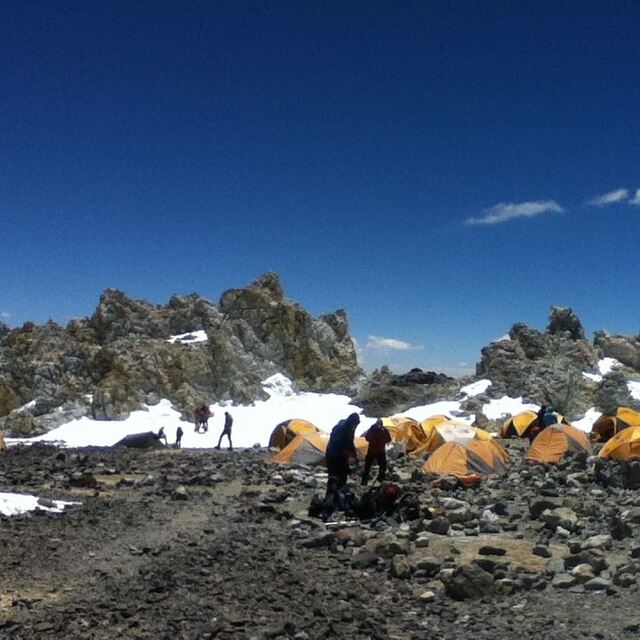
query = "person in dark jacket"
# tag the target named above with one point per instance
(179, 434)
(378, 437)
(226, 431)
(340, 450)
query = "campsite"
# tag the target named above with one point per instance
(157, 542)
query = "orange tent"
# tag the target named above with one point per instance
(404, 430)
(310, 449)
(555, 442)
(484, 457)
(624, 445)
(305, 448)
(607, 426)
(450, 431)
(286, 431)
(520, 424)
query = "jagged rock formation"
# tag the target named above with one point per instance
(625, 349)
(548, 367)
(121, 357)
(384, 393)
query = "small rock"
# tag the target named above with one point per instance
(598, 584)
(439, 525)
(563, 581)
(468, 581)
(427, 596)
(400, 567)
(542, 551)
(490, 550)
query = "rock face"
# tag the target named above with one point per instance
(384, 393)
(121, 357)
(544, 367)
(625, 349)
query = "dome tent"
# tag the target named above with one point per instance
(481, 457)
(405, 431)
(451, 431)
(305, 448)
(623, 446)
(286, 431)
(607, 426)
(557, 441)
(519, 425)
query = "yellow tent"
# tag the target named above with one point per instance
(286, 431)
(607, 426)
(404, 430)
(3, 444)
(310, 449)
(555, 442)
(305, 448)
(520, 424)
(451, 431)
(624, 445)
(485, 457)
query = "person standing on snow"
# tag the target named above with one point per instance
(340, 450)
(226, 431)
(179, 433)
(377, 436)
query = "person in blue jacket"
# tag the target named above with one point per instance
(340, 450)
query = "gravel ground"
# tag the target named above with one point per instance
(178, 544)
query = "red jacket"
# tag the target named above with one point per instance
(377, 436)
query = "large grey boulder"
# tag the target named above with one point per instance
(625, 349)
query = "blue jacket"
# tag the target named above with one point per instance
(341, 441)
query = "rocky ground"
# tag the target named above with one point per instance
(177, 544)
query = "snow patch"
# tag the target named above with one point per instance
(278, 386)
(634, 389)
(502, 407)
(585, 424)
(13, 504)
(606, 365)
(192, 337)
(475, 388)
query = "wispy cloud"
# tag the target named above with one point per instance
(504, 211)
(5, 315)
(636, 199)
(613, 197)
(391, 344)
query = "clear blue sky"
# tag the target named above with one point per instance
(436, 168)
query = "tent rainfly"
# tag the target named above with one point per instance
(607, 426)
(555, 442)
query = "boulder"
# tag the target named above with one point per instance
(468, 581)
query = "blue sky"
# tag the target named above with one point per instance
(441, 170)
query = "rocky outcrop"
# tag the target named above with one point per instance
(384, 393)
(625, 349)
(121, 357)
(544, 367)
